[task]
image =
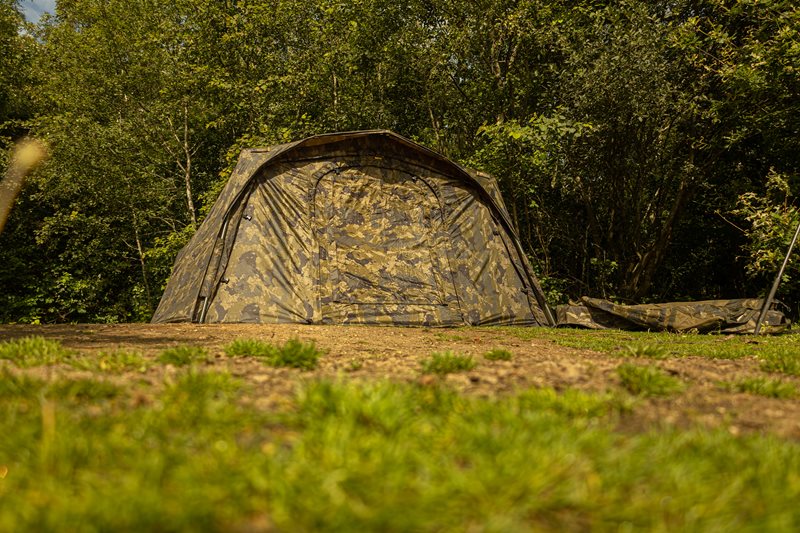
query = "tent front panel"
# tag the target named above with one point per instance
(382, 253)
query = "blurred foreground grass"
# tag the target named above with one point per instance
(86, 455)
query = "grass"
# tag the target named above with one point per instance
(778, 353)
(13, 385)
(782, 361)
(646, 350)
(761, 386)
(373, 457)
(498, 354)
(82, 389)
(648, 380)
(294, 353)
(249, 348)
(183, 355)
(113, 362)
(448, 337)
(34, 351)
(447, 363)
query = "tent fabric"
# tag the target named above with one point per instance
(359, 227)
(722, 316)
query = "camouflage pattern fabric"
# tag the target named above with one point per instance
(362, 227)
(722, 316)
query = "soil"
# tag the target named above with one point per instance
(370, 353)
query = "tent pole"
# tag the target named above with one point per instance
(768, 301)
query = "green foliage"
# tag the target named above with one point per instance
(447, 363)
(294, 353)
(615, 130)
(183, 355)
(771, 223)
(498, 354)
(648, 380)
(771, 388)
(34, 351)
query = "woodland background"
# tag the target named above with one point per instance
(647, 151)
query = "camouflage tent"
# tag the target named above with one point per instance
(362, 227)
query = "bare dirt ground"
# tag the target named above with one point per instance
(370, 353)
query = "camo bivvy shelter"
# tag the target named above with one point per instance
(362, 227)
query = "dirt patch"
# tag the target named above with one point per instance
(369, 353)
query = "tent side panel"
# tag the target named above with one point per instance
(486, 277)
(269, 273)
(180, 299)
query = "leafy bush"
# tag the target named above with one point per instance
(772, 221)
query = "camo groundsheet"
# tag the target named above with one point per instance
(709, 316)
